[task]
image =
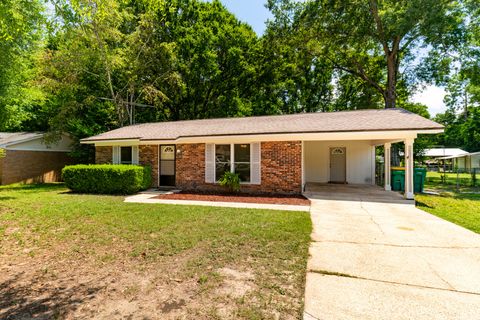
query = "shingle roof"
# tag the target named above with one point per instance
(9, 138)
(345, 121)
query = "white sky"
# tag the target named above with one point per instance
(432, 97)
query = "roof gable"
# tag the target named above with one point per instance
(11, 138)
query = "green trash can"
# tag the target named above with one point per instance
(419, 179)
(398, 180)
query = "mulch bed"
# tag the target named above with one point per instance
(245, 198)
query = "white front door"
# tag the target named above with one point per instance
(338, 165)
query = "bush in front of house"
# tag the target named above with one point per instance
(107, 178)
(231, 181)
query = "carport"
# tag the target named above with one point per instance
(349, 158)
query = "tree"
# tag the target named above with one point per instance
(21, 24)
(288, 78)
(362, 37)
(110, 63)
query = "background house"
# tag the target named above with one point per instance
(435, 153)
(25, 157)
(466, 162)
(440, 158)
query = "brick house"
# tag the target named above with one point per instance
(26, 158)
(271, 154)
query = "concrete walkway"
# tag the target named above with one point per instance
(149, 197)
(375, 256)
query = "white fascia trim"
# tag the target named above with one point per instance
(377, 143)
(108, 143)
(399, 135)
(325, 136)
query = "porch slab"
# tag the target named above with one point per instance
(353, 192)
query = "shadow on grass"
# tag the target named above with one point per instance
(39, 187)
(420, 204)
(7, 198)
(74, 193)
(19, 299)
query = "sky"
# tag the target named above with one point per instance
(255, 14)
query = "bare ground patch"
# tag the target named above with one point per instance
(86, 257)
(44, 287)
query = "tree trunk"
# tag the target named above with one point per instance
(390, 95)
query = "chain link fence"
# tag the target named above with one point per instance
(459, 178)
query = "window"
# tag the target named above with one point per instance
(242, 161)
(240, 164)
(222, 160)
(126, 155)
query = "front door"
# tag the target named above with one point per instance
(338, 165)
(167, 166)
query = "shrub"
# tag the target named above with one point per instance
(107, 178)
(231, 181)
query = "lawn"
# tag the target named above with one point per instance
(435, 180)
(65, 255)
(460, 208)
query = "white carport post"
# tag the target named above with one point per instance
(409, 170)
(388, 162)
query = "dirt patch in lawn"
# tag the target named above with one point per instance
(65, 256)
(51, 285)
(297, 200)
(46, 287)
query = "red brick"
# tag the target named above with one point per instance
(103, 155)
(33, 166)
(281, 168)
(148, 155)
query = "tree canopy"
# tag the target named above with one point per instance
(87, 66)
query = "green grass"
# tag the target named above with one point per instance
(39, 220)
(435, 179)
(460, 208)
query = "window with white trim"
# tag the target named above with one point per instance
(241, 164)
(126, 155)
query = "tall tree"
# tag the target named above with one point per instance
(216, 61)
(288, 78)
(21, 29)
(359, 36)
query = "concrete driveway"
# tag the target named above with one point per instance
(375, 256)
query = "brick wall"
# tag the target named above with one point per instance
(281, 168)
(190, 166)
(33, 166)
(148, 155)
(103, 155)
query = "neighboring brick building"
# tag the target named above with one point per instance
(271, 154)
(26, 158)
